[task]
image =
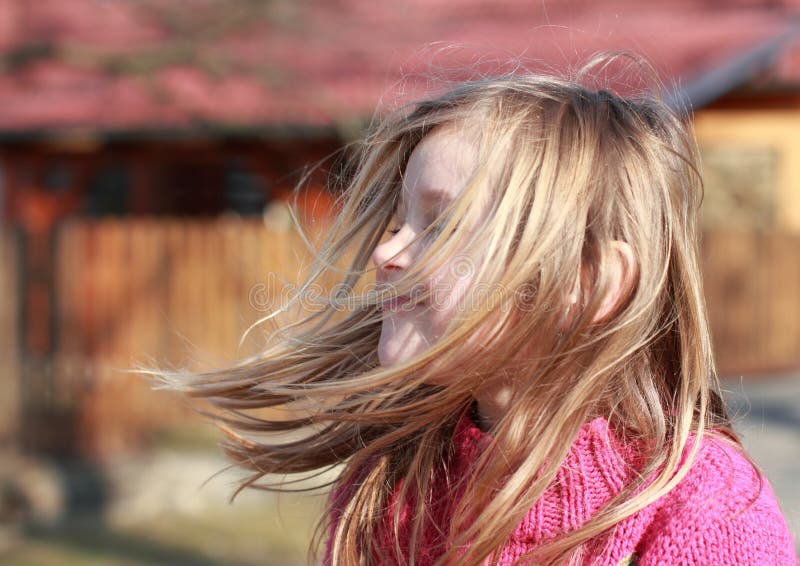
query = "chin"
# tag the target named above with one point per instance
(392, 352)
(388, 358)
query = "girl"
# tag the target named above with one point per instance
(528, 378)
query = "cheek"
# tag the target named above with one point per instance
(451, 295)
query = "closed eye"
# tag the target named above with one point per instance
(397, 223)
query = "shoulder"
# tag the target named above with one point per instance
(722, 512)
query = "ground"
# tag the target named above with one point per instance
(160, 512)
(766, 413)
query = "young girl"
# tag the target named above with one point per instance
(528, 378)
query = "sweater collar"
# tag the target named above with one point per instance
(596, 468)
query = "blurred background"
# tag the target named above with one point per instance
(147, 152)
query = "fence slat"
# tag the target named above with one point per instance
(9, 328)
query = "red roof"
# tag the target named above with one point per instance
(119, 65)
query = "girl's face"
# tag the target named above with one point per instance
(438, 170)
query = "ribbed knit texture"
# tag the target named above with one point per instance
(715, 515)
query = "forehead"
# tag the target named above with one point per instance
(440, 166)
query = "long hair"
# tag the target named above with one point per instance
(572, 170)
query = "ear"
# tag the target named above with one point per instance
(622, 271)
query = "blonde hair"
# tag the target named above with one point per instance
(573, 170)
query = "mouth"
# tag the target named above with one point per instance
(400, 302)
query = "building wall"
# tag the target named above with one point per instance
(750, 150)
(760, 151)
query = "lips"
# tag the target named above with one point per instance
(399, 302)
(394, 302)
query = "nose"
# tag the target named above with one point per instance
(393, 255)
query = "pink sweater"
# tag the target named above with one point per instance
(706, 519)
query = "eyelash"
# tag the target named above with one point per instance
(436, 229)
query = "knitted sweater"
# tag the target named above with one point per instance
(716, 515)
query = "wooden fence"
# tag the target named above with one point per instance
(752, 286)
(165, 292)
(132, 290)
